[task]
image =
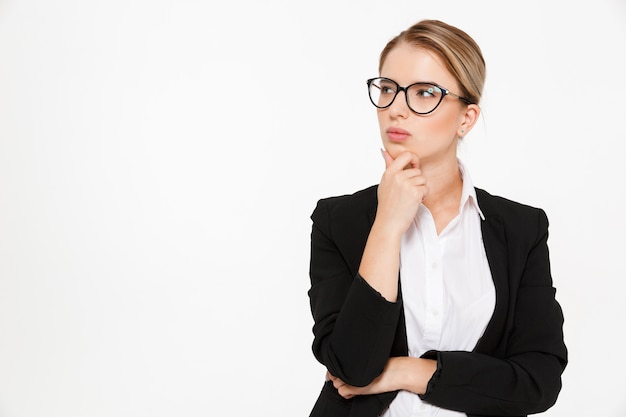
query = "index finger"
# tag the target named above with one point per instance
(387, 157)
(406, 160)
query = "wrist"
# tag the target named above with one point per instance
(387, 230)
(416, 373)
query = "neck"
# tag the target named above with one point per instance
(445, 185)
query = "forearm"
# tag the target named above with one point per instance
(480, 384)
(401, 190)
(400, 373)
(354, 324)
(381, 260)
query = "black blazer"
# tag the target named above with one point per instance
(514, 370)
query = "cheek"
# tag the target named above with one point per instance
(379, 117)
(444, 118)
(444, 124)
(381, 123)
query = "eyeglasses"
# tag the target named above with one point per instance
(422, 98)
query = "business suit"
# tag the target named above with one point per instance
(516, 367)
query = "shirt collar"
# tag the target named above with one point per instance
(468, 194)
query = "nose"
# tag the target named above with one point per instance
(399, 107)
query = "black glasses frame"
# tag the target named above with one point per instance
(444, 92)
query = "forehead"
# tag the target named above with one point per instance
(408, 64)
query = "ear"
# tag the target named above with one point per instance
(469, 119)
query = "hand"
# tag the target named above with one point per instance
(349, 391)
(385, 382)
(401, 191)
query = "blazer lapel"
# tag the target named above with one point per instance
(494, 240)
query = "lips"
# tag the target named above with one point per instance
(396, 134)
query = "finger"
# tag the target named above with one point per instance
(414, 162)
(406, 160)
(346, 392)
(410, 173)
(388, 159)
(338, 383)
(417, 180)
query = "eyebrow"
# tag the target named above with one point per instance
(414, 82)
(425, 82)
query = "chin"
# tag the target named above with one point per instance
(396, 149)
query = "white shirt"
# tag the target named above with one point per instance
(447, 290)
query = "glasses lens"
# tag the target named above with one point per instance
(382, 92)
(423, 97)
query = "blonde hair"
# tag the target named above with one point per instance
(460, 54)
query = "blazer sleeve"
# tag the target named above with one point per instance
(527, 379)
(354, 326)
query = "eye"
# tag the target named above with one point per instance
(387, 89)
(426, 92)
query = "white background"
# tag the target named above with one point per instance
(159, 161)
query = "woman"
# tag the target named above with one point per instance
(429, 296)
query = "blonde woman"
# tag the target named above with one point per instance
(431, 297)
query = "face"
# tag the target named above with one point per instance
(432, 137)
